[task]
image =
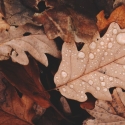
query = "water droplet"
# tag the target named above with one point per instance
(111, 39)
(103, 58)
(64, 74)
(91, 56)
(115, 71)
(110, 78)
(114, 31)
(98, 88)
(90, 82)
(81, 60)
(124, 66)
(105, 53)
(92, 45)
(103, 83)
(108, 39)
(98, 50)
(83, 83)
(81, 92)
(109, 45)
(71, 86)
(121, 38)
(81, 55)
(82, 96)
(101, 78)
(105, 89)
(102, 43)
(64, 89)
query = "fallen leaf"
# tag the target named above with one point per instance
(60, 22)
(95, 68)
(16, 13)
(116, 16)
(15, 42)
(109, 113)
(3, 23)
(16, 109)
(31, 3)
(26, 80)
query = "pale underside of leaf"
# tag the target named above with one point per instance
(109, 113)
(95, 68)
(37, 45)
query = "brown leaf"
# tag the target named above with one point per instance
(16, 13)
(116, 16)
(111, 112)
(27, 38)
(62, 21)
(26, 80)
(15, 108)
(95, 68)
(3, 23)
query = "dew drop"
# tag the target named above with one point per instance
(90, 82)
(82, 96)
(110, 78)
(64, 74)
(98, 88)
(114, 31)
(81, 55)
(103, 83)
(92, 45)
(111, 39)
(105, 53)
(83, 83)
(81, 92)
(109, 45)
(98, 50)
(64, 89)
(91, 56)
(101, 78)
(71, 86)
(103, 58)
(102, 43)
(108, 39)
(121, 38)
(105, 89)
(124, 66)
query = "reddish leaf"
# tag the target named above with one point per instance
(26, 80)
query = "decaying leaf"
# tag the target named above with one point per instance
(109, 113)
(16, 13)
(14, 44)
(26, 80)
(116, 16)
(16, 109)
(95, 68)
(3, 23)
(63, 21)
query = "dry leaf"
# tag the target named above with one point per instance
(65, 22)
(15, 108)
(27, 80)
(109, 113)
(16, 13)
(116, 16)
(14, 44)
(3, 23)
(95, 68)
(31, 3)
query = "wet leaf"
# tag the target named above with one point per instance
(95, 68)
(116, 16)
(27, 38)
(26, 79)
(109, 113)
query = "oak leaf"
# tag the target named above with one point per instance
(116, 16)
(109, 113)
(95, 68)
(62, 21)
(27, 80)
(16, 13)
(14, 44)
(15, 109)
